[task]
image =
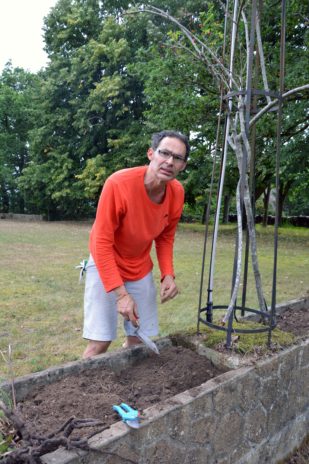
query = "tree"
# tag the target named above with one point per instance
(94, 103)
(17, 96)
(181, 93)
(234, 77)
(207, 26)
(90, 107)
(116, 77)
(294, 125)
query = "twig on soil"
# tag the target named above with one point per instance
(34, 446)
(163, 366)
(17, 422)
(104, 388)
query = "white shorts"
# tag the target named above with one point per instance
(100, 310)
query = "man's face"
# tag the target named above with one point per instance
(168, 159)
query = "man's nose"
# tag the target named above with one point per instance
(170, 160)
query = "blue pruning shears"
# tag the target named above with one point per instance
(128, 415)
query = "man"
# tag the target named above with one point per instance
(137, 206)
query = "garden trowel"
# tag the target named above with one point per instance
(148, 342)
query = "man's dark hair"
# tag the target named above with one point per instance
(158, 136)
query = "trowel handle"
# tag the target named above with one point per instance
(125, 412)
(128, 409)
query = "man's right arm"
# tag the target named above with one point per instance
(102, 237)
(109, 212)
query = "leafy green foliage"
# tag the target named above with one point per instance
(17, 92)
(92, 177)
(114, 77)
(88, 110)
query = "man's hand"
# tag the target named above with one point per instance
(168, 288)
(127, 307)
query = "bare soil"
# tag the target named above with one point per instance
(296, 322)
(152, 380)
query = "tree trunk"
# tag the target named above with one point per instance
(21, 205)
(204, 214)
(244, 218)
(266, 204)
(226, 208)
(5, 200)
(283, 192)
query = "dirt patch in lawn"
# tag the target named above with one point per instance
(93, 394)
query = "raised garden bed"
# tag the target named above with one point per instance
(178, 406)
(92, 394)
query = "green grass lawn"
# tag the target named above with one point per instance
(41, 304)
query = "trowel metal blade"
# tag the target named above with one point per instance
(148, 342)
(134, 423)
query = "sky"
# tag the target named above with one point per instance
(21, 23)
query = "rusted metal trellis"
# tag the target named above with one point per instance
(241, 104)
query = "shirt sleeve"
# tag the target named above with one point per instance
(108, 216)
(165, 241)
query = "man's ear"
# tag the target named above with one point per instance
(150, 153)
(183, 167)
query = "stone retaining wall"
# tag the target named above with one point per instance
(250, 415)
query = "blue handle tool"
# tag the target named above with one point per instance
(127, 414)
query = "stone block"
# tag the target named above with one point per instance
(289, 364)
(203, 430)
(249, 390)
(199, 454)
(227, 394)
(229, 433)
(269, 368)
(301, 387)
(201, 406)
(269, 391)
(223, 460)
(163, 452)
(125, 452)
(239, 451)
(255, 424)
(276, 415)
(226, 399)
(178, 425)
(304, 354)
(158, 420)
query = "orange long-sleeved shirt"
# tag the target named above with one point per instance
(127, 222)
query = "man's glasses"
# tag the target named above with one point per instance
(166, 154)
